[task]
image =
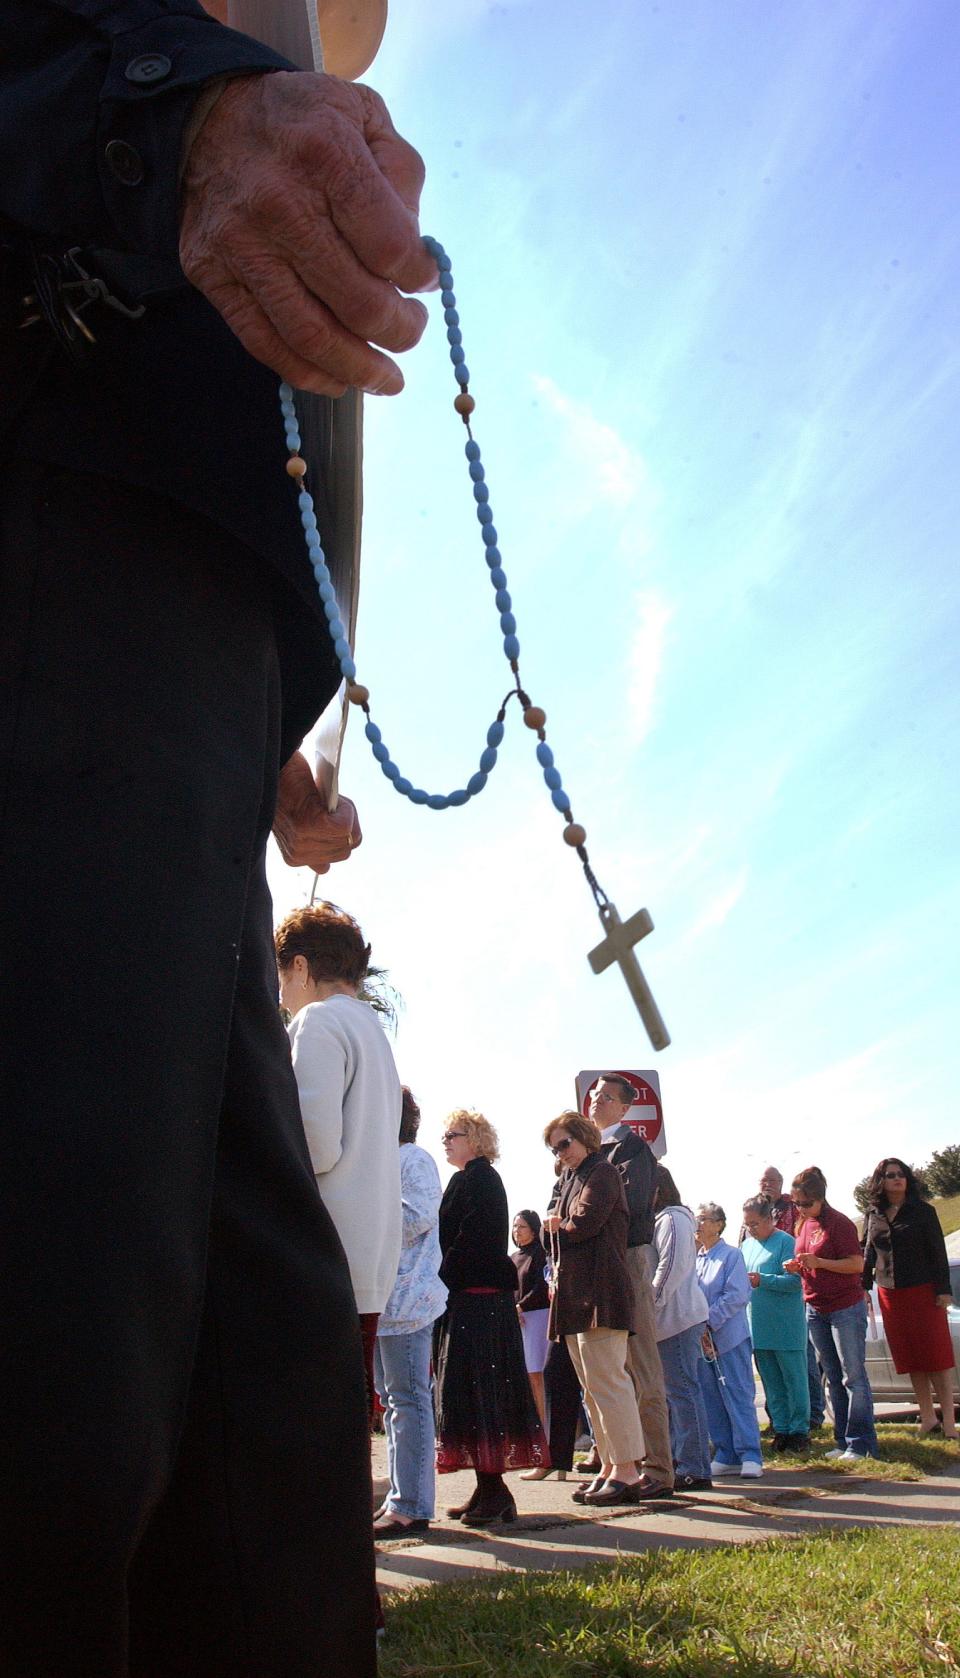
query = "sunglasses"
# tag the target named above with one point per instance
(804, 1203)
(894, 1176)
(451, 1134)
(561, 1147)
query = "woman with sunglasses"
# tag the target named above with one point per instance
(486, 1417)
(592, 1305)
(828, 1260)
(905, 1253)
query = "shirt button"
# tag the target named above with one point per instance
(149, 67)
(125, 164)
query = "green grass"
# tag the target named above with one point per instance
(948, 1211)
(845, 1605)
(902, 1455)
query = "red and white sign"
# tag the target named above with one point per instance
(646, 1114)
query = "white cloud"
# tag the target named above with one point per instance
(604, 463)
(646, 660)
(718, 909)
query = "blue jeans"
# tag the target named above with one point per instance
(680, 1357)
(401, 1370)
(840, 1342)
(731, 1405)
(815, 1385)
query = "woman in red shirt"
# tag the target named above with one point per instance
(828, 1259)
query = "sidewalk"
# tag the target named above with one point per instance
(553, 1532)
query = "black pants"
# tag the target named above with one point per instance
(563, 1399)
(184, 1463)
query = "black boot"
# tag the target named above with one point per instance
(460, 1509)
(494, 1506)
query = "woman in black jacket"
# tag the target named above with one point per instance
(486, 1417)
(533, 1300)
(905, 1253)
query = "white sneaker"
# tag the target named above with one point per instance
(852, 1456)
(751, 1470)
(719, 1469)
(838, 1451)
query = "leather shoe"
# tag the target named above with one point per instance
(690, 1483)
(485, 1515)
(391, 1528)
(614, 1491)
(580, 1495)
(590, 1464)
(652, 1488)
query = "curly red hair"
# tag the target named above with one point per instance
(329, 940)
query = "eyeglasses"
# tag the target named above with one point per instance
(562, 1147)
(450, 1134)
(804, 1203)
(894, 1176)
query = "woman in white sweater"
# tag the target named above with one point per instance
(681, 1313)
(349, 1097)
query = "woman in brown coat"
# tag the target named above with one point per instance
(592, 1304)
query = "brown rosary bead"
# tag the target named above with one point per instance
(574, 834)
(534, 717)
(297, 466)
(357, 693)
(464, 403)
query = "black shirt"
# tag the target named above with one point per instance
(474, 1226)
(531, 1262)
(905, 1251)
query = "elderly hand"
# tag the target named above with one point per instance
(299, 224)
(308, 833)
(551, 1224)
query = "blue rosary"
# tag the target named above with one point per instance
(621, 936)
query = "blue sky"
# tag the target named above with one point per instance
(706, 253)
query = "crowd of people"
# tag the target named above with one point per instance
(620, 1302)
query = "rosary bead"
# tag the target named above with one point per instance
(476, 470)
(561, 801)
(490, 537)
(461, 373)
(372, 732)
(464, 404)
(341, 647)
(447, 299)
(503, 601)
(495, 733)
(459, 797)
(484, 512)
(493, 555)
(457, 354)
(347, 669)
(417, 795)
(336, 627)
(297, 466)
(534, 716)
(508, 623)
(481, 493)
(437, 801)
(488, 759)
(380, 752)
(327, 592)
(552, 778)
(476, 783)
(445, 277)
(390, 770)
(358, 694)
(454, 335)
(545, 755)
(498, 577)
(511, 646)
(574, 834)
(404, 786)
(472, 450)
(451, 318)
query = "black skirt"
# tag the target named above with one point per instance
(486, 1417)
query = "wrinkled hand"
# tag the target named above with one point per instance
(310, 835)
(299, 224)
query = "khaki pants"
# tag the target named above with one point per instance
(643, 1361)
(599, 1356)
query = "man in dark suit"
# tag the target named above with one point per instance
(610, 1100)
(179, 1343)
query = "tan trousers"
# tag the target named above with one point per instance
(599, 1356)
(643, 1361)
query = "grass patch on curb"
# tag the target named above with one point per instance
(869, 1604)
(903, 1456)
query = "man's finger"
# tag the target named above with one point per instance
(276, 318)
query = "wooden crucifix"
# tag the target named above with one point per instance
(617, 947)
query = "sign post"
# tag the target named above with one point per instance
(646, 1114)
